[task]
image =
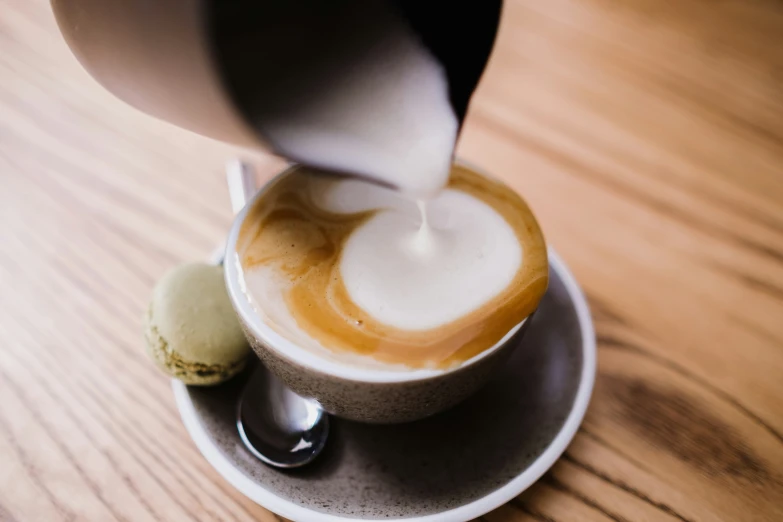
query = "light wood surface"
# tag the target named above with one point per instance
(647, 136)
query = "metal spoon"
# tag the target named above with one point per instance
(275, 424)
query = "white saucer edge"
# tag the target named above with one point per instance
(464, 513)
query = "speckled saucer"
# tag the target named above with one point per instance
(452, 467)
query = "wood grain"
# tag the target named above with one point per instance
(646, 135)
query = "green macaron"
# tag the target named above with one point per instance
(191, 329)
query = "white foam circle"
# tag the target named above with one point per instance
(417, 279)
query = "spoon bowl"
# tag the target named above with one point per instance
(278, 426)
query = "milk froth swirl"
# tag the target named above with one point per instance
(344, 268)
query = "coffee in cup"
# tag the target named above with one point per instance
(354, 272)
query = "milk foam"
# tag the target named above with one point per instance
(414, 275)
(390, 119)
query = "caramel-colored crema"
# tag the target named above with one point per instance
(286, 231)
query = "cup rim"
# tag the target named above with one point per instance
(288, 349)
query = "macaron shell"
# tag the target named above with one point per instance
(191, 329)
(189, 372)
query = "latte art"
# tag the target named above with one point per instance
(356, 272)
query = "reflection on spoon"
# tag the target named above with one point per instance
(278, 426)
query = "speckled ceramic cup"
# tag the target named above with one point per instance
(354, 392)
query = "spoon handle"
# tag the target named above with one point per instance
(241, 183)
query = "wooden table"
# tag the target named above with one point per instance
(647, 136)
